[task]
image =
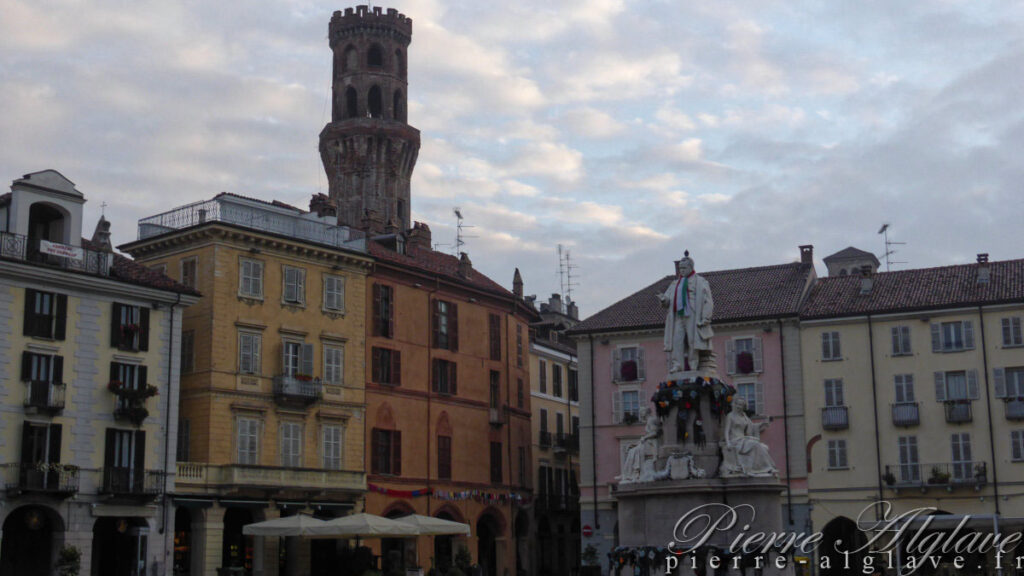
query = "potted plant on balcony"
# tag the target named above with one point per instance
(630, 418)
(938, 476)
(303, 377)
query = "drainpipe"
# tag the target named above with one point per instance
(988, 406)
(167, 427)
(785, 423)
(593, 437)
(507, 417)
(874, 405)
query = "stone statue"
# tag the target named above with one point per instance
(638, 467)
(743, 453)
(688, 317)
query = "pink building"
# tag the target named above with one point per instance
(757, 344)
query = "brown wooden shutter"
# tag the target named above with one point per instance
(29, 325)
(396, 453)
(391, 312)
(377, 323)
(58, 370)
(143, 375)
(60, 326)
(375, 365)
(435, 324)
(453, 327)
(26, 366)
(115, 325)
(375, 449)
(26, 443)
(140, 459)
(55, 434)
(306, 360)
(396, 367)
(108, 450)
(434, 373)
(115, 373)
(144, 329)
(453, 386)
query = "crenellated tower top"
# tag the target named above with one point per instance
(363, 19)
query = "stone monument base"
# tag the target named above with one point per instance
(648, 513)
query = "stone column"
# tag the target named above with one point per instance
(208, 541)
(265, 555)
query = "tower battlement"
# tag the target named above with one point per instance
(362, 19)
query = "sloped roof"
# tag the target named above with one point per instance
(740, 294)
(918, 289)
(850, 253)
(127, 270)
(434, 262)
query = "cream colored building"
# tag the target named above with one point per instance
(914, 394)
(272, 404)
(89, 344)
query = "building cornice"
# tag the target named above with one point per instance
(51, 277)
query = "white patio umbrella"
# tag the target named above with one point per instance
(428, 525)
(297, 525)
(363, 526)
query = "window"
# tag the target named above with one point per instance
(129, 327)
(519, 345)
(494, 331)
(753, 392)
(386, 366)
(249, 345)
(958, 385)
(1012, 333)
(963, 467)
(952, 336)
(297, 358)
(901, 341)
(834, 392)
(628, 364)
(45, 314)
(837, 455)
(294, 291)
(159, 268)
(124, 461)
(910, 469)
(291, 444)
(543, 419)
(830, 346)
(543, 382)
(446, 325)
(743, 355)
(387, 452)
(334, 293)
(444, 377)
(559, 423)
(248, 440)
(188, 351)
(522, 466)
(331, 443)
(495, 390)
(1017, 445)
(444, 457)
(188, 271)
(520, 394)
(1009, 383)
(250, 278)
(496, 475)
(41, 368)
(383, 311)
(128, 377)
(184, 438)
(626, 406)
(40, 443)
(574, 386)
(376, 56)
(904, 388)
(556, 380)
(334, 364)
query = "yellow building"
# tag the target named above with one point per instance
(272, 404)
(914, 395)
(554, 404)
(88, 354)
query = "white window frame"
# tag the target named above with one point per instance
(332, 441)
(901, 343)
(838, 458)
(1017, 445)
(618, 411)
(248, 432)
(297, 283)
(831, 349)
(903, 388)
(962, 460)
(909, 459)
(194, 262)
(753, 393)
(618, 358)
(254, 277)
(952, 336)
(288, 367)
(1012, 334)
(334, 372)
(334, 293)
(290, 440)
(253, 350)
(835, 395)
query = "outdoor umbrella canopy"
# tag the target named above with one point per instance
(363, 526)
(298, 525)
(430, 525)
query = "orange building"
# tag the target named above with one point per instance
(448, 404)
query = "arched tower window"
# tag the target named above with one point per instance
(399, 63)
(397, 107)
(376, 56)
(351, 59)
(374, 104)
(351, 102)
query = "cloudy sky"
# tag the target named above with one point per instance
(625, 131)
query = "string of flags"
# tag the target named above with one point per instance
(476, 495)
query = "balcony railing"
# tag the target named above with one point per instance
(1015, 409)
(198, 474)
(45, 396)
(958, 411)
(296, 390)
(906, 414)
(36, 251)
(944, 475)
(835, 418)
(43, 478)
(567, 442)
(544, 439)
(124, 481)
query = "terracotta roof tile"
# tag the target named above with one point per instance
(740, 294)
(127, 270)
(434, 262)
(918, 289)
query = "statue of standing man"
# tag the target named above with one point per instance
(688, 317)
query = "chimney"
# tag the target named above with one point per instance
(555, 303)
(465, 266)
(807, 254)
(531, 300)
(867, 279)
(419, 236)
(373, 222)
(984, 272)
(102, 235)
(573, 311)
(517, 285)
(322, 205)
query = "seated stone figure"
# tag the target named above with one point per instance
(637, 468)
(743, 453)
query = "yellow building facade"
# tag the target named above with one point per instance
(272, 405)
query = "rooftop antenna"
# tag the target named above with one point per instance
(565, 278)
(459, 227)
(889, 250)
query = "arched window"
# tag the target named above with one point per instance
(373, 102)
(351, 59)
(397, 108)
(376, 56)
(399, 63)
(351, 102)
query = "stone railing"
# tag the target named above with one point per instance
(195, 474)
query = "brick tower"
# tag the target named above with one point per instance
(368, 149)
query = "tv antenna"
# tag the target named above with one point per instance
(889, 250)
(566, 280)
(459, 227)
